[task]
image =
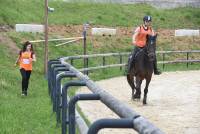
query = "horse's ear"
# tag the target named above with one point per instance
(155, 35)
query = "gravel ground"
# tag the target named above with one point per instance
(173, 102)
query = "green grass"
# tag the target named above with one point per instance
(32, 11)
(179, 67)
(22, 115)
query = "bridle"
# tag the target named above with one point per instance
(149, 44)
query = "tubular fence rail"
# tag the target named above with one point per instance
(64, 107)
(122, 63)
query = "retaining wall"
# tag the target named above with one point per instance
(155, 3)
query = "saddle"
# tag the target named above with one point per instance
(132, 58)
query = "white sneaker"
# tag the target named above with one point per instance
(23, 94)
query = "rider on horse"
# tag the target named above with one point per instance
(140, 37)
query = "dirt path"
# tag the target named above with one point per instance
(173, 102)
(5, 40)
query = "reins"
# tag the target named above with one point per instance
(141, 50)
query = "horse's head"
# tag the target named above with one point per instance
(151, 46)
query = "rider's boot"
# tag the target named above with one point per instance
(156, 70)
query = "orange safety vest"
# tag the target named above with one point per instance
(141, 38)
(25, 61)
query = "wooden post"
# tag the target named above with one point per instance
(84, 47)
(46, 38)
(85, 26)
(163, 61)
(104, 61)
(187, 58)
(120, 61)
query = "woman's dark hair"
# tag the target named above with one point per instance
(25, 46)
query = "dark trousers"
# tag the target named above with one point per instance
(131, 59)
(25, 79)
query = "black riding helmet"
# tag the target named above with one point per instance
(147, 18)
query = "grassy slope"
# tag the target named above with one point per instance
(31, 11)
(34, 113)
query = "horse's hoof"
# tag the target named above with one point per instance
(144, 102)
(136, 96)
(135, 99)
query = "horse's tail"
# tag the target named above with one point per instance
(130, 79)
(130, 68)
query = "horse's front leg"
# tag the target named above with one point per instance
(146, 90)
(138, 88)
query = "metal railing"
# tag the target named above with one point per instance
(59, 95)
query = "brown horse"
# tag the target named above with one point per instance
(140, 67)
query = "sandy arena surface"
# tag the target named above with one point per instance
(173, 102)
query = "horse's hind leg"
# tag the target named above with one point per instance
(138, 88)
(146, 90)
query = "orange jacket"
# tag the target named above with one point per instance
(25, 61)
(141, 38)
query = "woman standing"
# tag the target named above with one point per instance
(25, 58)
